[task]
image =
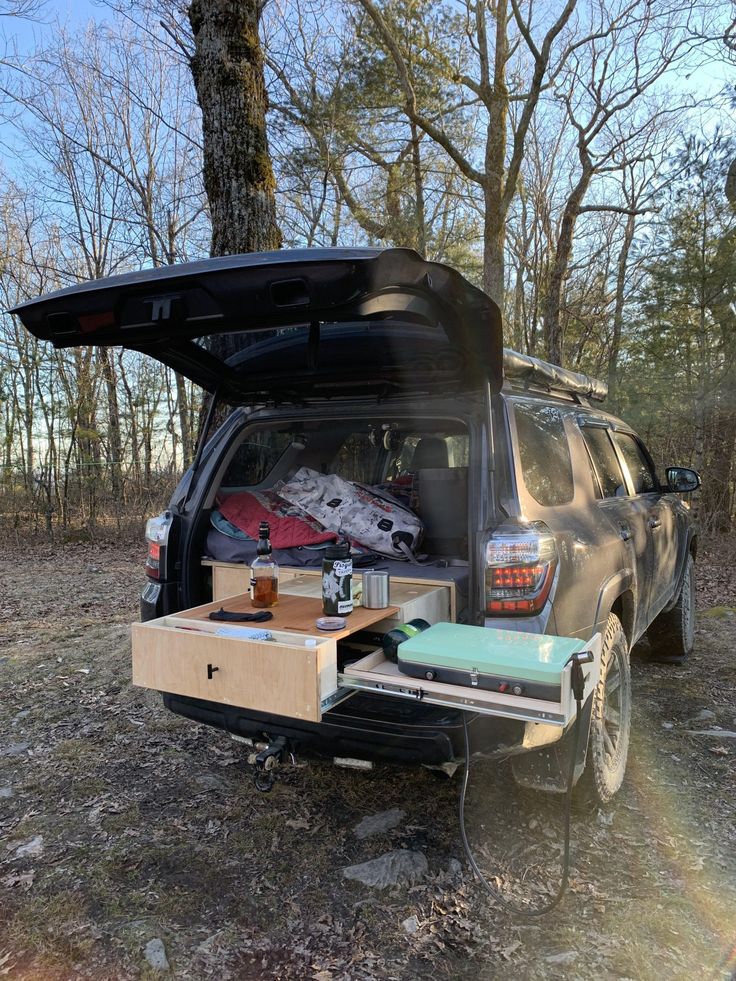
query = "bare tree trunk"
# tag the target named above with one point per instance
(184, 418)
(114, 445)
(416, 159)
(618, 312)
(497, 99)
(227, 68)
(553, 301)
(28, 418)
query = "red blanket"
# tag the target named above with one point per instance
(290, 526)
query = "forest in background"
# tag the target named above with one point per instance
(571, 159)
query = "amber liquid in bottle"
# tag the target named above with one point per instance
(264, 573)
(264, 591)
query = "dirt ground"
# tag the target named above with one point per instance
(120, 823)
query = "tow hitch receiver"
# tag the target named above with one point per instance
(266, 762)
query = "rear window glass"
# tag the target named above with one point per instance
(429, 452)
(642, 476)
(375, 453)
(357, 458)
(544, 453)
(610, 478)
(256, 457)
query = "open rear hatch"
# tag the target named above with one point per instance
(291, 325)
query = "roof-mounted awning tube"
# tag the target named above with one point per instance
(526, 368)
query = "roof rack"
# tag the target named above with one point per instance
(526, 368)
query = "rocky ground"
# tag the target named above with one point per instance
(132, 842)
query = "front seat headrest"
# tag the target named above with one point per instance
(430, 454)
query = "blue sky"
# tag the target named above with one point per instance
(71, 12)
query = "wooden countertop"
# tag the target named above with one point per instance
(295, 613)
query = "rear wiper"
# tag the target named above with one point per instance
(182, 505)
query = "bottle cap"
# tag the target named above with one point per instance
(338, 550)
(331, 623)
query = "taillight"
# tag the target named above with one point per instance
(157, 536)
(520, 566)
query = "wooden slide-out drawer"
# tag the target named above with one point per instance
(280, 677)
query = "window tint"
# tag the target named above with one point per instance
(356, 459)
(456, 453)
(641, 473)
(256, 457)
(605, 461)
(544, 453)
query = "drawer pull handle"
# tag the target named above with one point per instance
(211, 671)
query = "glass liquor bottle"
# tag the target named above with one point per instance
(264, 572)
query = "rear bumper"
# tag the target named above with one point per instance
(368, 727)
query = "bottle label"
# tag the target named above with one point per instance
(342, 567)
(337, 595)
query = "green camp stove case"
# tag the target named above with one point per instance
(495, 660)
(507, 673)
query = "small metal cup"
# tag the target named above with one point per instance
(375, 589)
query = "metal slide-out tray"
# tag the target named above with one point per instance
(375, 673)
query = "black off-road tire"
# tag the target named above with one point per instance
(610, 724)
(672, 634)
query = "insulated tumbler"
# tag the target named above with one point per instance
(375, 590)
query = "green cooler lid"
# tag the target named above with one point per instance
(534, 657)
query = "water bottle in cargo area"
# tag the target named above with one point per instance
(264, 572)
(337, 575)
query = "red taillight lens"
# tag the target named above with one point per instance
(157, 537)
(520, 565)
(153, 560)
(516, 577)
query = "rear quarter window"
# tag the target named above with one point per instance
(256, 457)
(544, 453)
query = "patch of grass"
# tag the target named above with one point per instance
(718, 612)
(127, 818)
(73, 750)
(89, 786)
(55, 926)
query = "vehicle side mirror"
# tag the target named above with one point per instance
(682, 480)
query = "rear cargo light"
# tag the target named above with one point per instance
(157, 536)
(520, 567)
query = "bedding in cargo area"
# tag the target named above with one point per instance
(291, 527)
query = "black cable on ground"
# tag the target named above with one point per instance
(494, 893)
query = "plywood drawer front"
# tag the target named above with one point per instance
(278, 678)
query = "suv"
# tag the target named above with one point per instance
(545, 512)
